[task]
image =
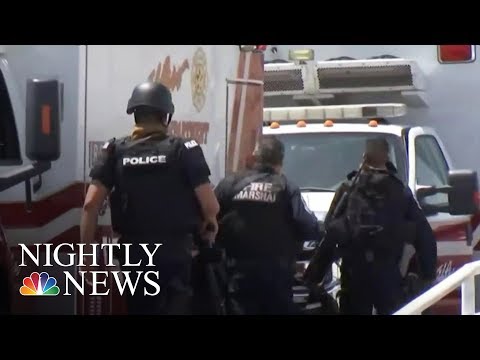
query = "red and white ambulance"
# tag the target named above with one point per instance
(59, 104)
(327, 100)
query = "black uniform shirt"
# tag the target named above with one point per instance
(305, 221)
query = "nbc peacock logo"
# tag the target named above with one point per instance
(39, 285)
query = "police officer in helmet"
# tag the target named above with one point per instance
(263, 222)
(159, 192)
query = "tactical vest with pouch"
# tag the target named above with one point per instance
(151, 195)
(374, 219)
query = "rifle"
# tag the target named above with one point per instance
(340, 206)
(207, 280)
(325, 254)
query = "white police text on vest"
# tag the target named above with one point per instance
(144, 160)
(191, 144)
(261, 192)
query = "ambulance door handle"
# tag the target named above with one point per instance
(37, 185)
(28, 195)
(469, 233)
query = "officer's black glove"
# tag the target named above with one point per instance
(207, 253)
(426, 283)
(317, 269)
(416, 285)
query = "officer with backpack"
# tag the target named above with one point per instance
(159, 194)
(373, 217)
(263, 221)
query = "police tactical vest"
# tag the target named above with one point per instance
(152, 196)
(261, 218)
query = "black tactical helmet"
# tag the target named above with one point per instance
(151, 95)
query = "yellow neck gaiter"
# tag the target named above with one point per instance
(144, 130)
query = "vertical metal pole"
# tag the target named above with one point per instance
(234, 82)
(85, 116)
(468, 296)
(226, 127)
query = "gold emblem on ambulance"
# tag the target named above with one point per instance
(199, 77)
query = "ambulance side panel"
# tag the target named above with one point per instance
(22, 62)
(54, 205)
(54, 216)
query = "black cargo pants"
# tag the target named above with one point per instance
(368, 286)
(173, 262)
(261, 287)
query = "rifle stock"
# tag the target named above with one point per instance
(209, 298)
(343, 200)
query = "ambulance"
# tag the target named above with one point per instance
(324, 101)
(60, 104)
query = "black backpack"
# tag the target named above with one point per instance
(374, 217)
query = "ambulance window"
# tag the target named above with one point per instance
(307, 156)
(431, 168)
(9, 146)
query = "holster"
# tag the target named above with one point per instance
(208, 280)
(117, 214)
(207, 254)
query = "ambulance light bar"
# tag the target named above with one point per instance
(368, 75)
(334, 112)
(287, 79)
(342, 76)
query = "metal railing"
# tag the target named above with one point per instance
(464, 277)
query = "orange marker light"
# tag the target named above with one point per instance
(328, 123)
(373, 123)
(274, 125)
(301, 123)
(46, 120)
